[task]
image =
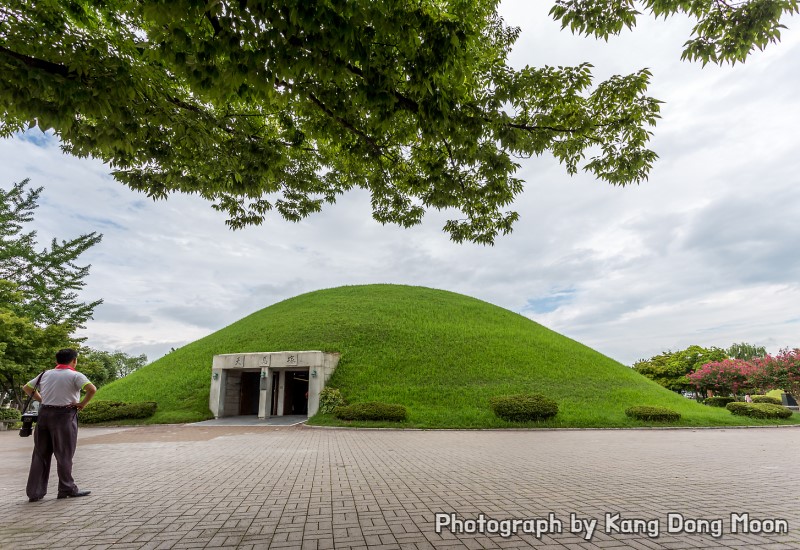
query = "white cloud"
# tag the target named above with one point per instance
(704, 252)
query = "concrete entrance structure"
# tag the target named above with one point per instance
(269, 383)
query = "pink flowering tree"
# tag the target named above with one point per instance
(781, 371)
(722, 377)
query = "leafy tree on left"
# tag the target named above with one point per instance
(25, 348)
(39, 306)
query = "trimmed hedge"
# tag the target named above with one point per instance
(10, 414)
(646, 412)
(373, 410)
(717, 401)
(329, 399)
(759, 410)
(107, 411)
(767, 399)
(523, 407)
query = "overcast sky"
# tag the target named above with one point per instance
(706, 252)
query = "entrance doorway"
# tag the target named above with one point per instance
(275, 393)
(250, 393)
(295, 393)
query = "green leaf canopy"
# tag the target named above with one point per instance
(258, 105)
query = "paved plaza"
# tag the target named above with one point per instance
(302, 487)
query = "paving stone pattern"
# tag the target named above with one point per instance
(165, 487)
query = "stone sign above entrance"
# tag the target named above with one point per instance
(267, 384)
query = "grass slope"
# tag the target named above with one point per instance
(442, 355)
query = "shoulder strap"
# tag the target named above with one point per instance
(35, 385)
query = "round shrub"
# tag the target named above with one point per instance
(523, 407)
(717, 401)
(759, 410)
(738, 408)
(372, 410)
(329, 399)
(108, 411)
(767, 399)
(10, 414)
(646, 412)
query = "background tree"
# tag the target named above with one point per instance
(47, 279)
(256, 105)
(781, 371)
(103, 367)
(670, 368)
(746, 351)
(25, 347)
(722, 377)
(39, 306)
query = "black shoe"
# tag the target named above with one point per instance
(37, 499)
(73, 495)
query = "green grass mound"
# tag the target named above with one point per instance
(441, 355)
(373, 411)
(759, 410)
(717, 401)
(524, 407)
(110, 411)
(652, 414)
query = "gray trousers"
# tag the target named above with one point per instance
(56, 433)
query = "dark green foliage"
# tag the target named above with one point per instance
(329, 399)
(523, 407)
(9, 414)
(718, 401)
(653, 414)
(371, 411)
(107, 411)
(759, 410)
(723, 31)
(260, 106)
(767, 399)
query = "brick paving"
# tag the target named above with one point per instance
(163, 487)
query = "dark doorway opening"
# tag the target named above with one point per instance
(276, 376)
(295, 393)
(249, 393)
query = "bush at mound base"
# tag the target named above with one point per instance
(659, 414)
(759, 410)
(108, 411)
(371, 411)
(718, 401)
(523, 407)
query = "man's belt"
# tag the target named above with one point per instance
(58, 406)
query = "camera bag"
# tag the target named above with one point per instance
(24, 431)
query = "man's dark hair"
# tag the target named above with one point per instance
(65, 356)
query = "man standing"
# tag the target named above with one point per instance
(57, 427)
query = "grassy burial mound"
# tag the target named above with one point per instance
(441, 355)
